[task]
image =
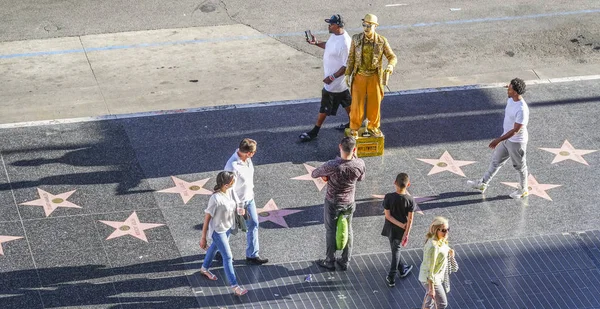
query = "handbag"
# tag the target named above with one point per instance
(451, 267)
(240, 222)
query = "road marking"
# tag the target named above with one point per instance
(279, 103)
(289, 34)
(396, 4)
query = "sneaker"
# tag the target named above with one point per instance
(407, 269)
(256, 260)
(477, 185)
(307, 136)
(519, 193)
(391, 282)
(325, 264)
(343, 266)
(342, 126)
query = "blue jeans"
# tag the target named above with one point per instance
(252, 235)
(220, 242)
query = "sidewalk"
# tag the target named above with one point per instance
(553, 271)
(171, 69)
(113, 232)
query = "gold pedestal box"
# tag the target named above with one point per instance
(368, 146)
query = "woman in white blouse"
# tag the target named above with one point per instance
(435, 261)
(218, 222)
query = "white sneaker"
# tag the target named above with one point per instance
(519, 193)
(477, 185)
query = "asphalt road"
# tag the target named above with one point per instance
(432, 38)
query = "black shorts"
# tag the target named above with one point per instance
(330, 101)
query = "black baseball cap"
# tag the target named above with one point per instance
(335, 19)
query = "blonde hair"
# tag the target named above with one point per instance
(437, 223)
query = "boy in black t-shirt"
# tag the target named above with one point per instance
(398, 208)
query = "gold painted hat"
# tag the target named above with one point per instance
(370, 18)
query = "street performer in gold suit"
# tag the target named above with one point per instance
(365, 75)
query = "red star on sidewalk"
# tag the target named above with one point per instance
(535, 188)
(187, 190)
(446, 163)
(272, 213)
(4, 239)
(131, 226)
(50, 202)
(418, 199)
(568, 152)
(318, 181)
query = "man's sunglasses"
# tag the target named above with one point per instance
(367, 25)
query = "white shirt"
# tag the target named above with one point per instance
(516, 112)
(335, 57)
(222, 209)
(244, 176)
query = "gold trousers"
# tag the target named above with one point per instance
(365, 88)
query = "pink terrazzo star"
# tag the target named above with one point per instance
(418, 199)
(568, 152)
(131, 226)
(318, 181)
(271, 213)
(4, 239)
(446, 163)
(535, 188)
(50, 202)
(187, 190)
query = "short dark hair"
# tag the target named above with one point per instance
(402, 180)
(247, 145)
(348, 143)
(518, 85)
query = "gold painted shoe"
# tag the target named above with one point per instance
(375, 132)
(354, 133)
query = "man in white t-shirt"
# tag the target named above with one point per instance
(335, 90)
(513, 142)
(241, 165)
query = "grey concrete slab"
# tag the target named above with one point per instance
(73, 266)
(8, 208)
(62, 234)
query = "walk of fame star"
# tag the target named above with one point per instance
(535, 188)
(272, 213)
(418, 199)
(318, 181)
(568, 152)
(50, 202)
(4, 239)
(446, 163)
(131, 226)
(187, 190)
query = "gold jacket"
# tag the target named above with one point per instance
(381, 48)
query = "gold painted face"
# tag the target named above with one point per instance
(369, 28)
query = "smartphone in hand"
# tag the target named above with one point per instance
(310, 38)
